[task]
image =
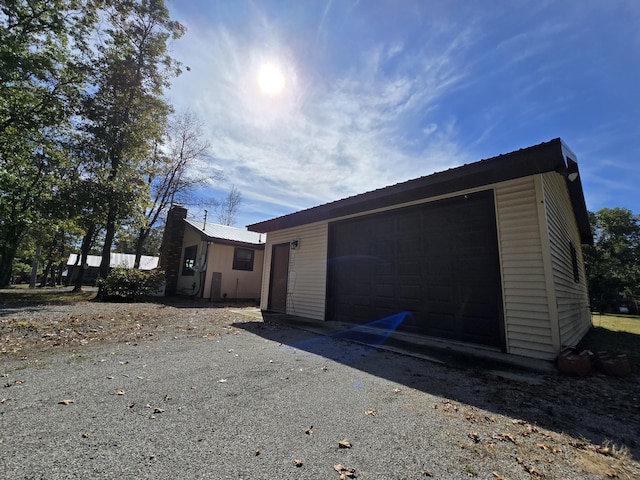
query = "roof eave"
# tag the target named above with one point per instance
(546, 157)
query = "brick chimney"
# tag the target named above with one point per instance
(171, 248)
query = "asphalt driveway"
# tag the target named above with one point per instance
(259, 400)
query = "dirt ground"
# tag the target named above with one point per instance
(597, 417)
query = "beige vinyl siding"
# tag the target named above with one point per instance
(525, 294)
(574, 318)
(306, 285)
(243, 284)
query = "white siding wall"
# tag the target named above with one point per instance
(572, 299)
(306, 286)
(526, 308)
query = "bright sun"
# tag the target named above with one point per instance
(270, 79)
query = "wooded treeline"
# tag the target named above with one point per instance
(90, 150)
(613, 262)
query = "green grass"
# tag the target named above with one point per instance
(45, 295)
(615, 334)
(618, 323)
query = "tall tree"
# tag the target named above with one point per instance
(41, 74)
(228, 208)
(170, 173)
(125, 111)
(613, 262)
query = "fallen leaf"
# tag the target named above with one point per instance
(344, 444)
(85, 435)
(131, 405)
(344, 471)
(504, 436)
(309, 430)
(325, 368)
(65, 402)
(120, 392)
(534, 472)
(158, 410)
(257, 453)
(474, 436)
(396, 390)
(371, 411)
(222, 380)
(297, 462)
(167, 398)
(498, 476)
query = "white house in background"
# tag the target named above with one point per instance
(93, 265)
(211, 261)
(488, 255)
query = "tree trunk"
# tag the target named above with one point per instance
(106, 249)
(87, 240)
(143, 233)
(45, 274)
(7, 254)
(9, 241)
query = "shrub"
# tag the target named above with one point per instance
(129, 283)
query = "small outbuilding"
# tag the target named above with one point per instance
(487, 255)
(210, 261)
(92, 266)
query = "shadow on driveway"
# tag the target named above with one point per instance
(597, 408)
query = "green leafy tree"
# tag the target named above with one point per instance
(126, 240)
(41, 73)
(124, 111)
(613, 262)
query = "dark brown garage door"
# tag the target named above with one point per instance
(437, 261)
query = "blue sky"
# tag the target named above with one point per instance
(381, 91)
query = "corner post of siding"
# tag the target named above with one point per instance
(543, 225)
(503, 306)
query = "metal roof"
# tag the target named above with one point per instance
(215, 231)
(117, 260)
(546, 157)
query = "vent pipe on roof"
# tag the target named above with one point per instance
(204, 225)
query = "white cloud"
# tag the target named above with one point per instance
(321, 139)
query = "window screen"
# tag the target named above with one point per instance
(243, 259)
(189, 260)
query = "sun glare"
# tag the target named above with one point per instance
(270, 79)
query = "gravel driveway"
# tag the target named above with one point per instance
(234, 397)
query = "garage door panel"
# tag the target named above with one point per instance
(437, 260)
(384, 267)
(408, 291)
(409, 268)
